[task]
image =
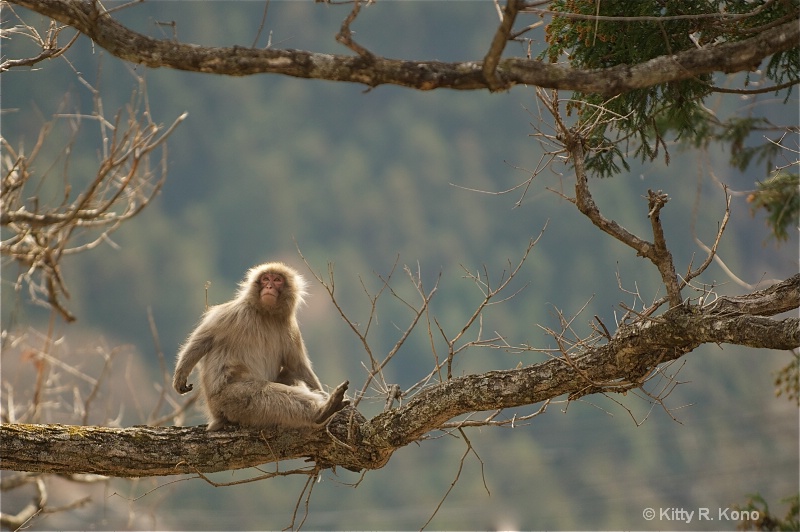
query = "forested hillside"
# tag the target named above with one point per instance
(369, 179)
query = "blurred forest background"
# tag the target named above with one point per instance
(358, 178)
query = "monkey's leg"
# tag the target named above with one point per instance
(334, 403)
(255, 403)
(287, 378)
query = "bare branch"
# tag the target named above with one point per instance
(712, 252)
(501, 37)
(467, 451)
(760, 90)
(657, 252)
(624, 362)
(345, 35)
(125, 183)
(18, 520)
(48, 43)
(489, 295)
(90, 19)
(660, 254)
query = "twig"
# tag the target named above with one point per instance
(48, 43)
(345, 35)
(458, 475)
(261, 25)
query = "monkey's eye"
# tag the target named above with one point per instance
(271, 278)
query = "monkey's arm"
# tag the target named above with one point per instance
(306, 374)
(196, 347)
(298, 366)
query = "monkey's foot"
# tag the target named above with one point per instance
(335, 402)
(220, 423)
(215, 425)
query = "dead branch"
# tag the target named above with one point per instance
(47, 42)
(345, 35)
(489, 298)
(127, 180)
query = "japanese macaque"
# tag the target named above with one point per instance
(254, 369)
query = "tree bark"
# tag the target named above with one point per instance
(89, 18)
(356, 443)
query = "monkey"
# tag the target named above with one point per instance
(254, 367)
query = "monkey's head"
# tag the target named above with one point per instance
(273, 288)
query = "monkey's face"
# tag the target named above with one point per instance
(270, 287)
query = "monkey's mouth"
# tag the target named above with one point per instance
(268, 294)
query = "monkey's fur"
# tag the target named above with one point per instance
(254, 368)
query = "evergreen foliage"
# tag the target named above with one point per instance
(644, 118)
(767, 520)
(780, 198)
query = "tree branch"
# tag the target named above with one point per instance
(90, 19)
(352, 442)
(40, 234)
(584, 201)
(501, 37)
(661, 255)
(778, 298)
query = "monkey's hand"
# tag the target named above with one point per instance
(179, 383)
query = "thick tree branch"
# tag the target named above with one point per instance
(90, 19)
(623, 363)
(142, 451)
(778, 298)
